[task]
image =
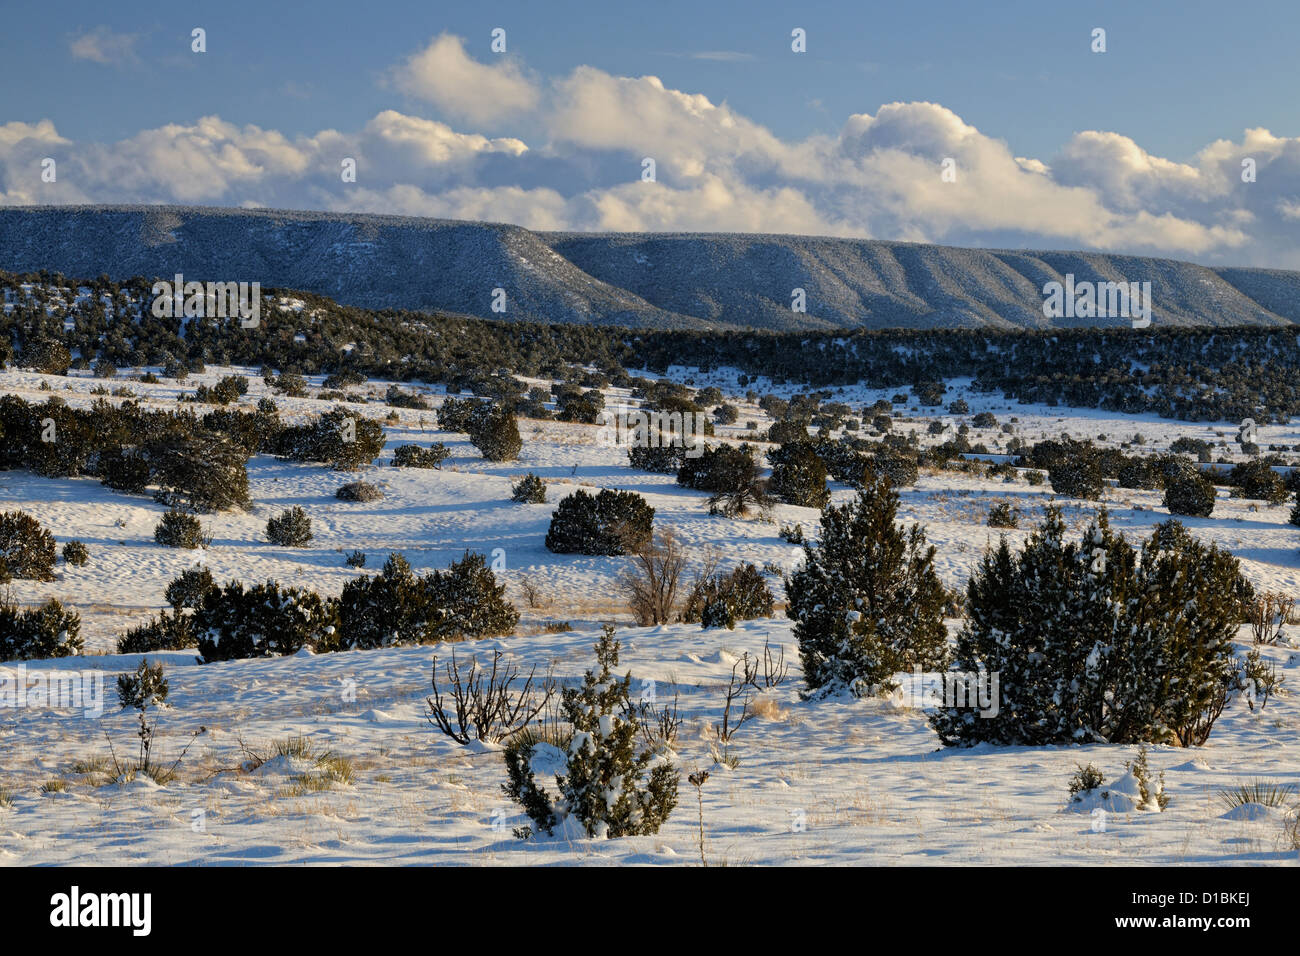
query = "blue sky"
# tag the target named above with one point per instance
(1135, 149)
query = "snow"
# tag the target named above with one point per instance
(866, 778)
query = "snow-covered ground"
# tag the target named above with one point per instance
(837, 781)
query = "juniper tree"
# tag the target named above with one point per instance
(496, 436)
(798, 476)
(611, 785)
(867, 602)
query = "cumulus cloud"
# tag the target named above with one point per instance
(716, 170)
(445, 75)
(102, 45)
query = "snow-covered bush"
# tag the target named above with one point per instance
(1255, 479)
(1192, 495)
(665, 459)
(1077, 477)
(607, 783)
(75, 554)
(529, 490)
(47, 631)
(721, 600)
(26, 549)
(179, 529)
(867, 602)
(1002, 515)
(202, 473)
(1096, 642)
(398, 606)
(897, 467)
(798, 476)
(187, 589)
(290, 529)
(359, 491)
(163, 632)
(124, 469)
(261, 621)
(610, 523)
(342, 438)
(496, 436)
(413, 456)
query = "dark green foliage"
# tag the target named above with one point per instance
(610, 523)
(398, 606)
(1193, 495)
(359, 491)
(717, 469)
(76, 554)
(612, 785)
(798, 476)
(146, 688)
(1096, 642)
(1255, 479)
(496, 436)
(47, 631)
(204, 473)
(1139, 473)
(180, 529)
(1077, 477)
(357, 559)
(263, 620)
(398, 398)
(124, 469)
(290, 529)
(867, 602)
(413, 456)
(664, 459)
(1002, 515)
(186, 591)
(46, 355)
(788, 430)
(529, 490)
(341, 438)
(724, 599)
(26, 549)
(165, 632)
(897, 467)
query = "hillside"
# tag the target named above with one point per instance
(638, 280)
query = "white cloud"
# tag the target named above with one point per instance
(717, 170)
(102, 45)
(445, 75)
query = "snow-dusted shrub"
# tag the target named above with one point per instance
(867, 602)
(46, 355)
(1002, 515)
(529, 490)
(1085, 779)
(413, 456)
(261, 621)
(26, 549)
(342, 438)
(124, 469)
(186, 590)
(76, 554)
(722, 468)
(1255, 479)
(1192, 495)
(180, 529)
(397, 606)
(1096, 642)
(47, 631)
(610, 523)
(163, 632)
(359, 491)
(798, 476)
(463, 414)
(1077, 477)
(200, 473)
(496, 436)
(290, 529)
(607, 783)
(899, 468)
(357, 559)
(723, 599)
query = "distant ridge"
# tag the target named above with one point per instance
(654, 280)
